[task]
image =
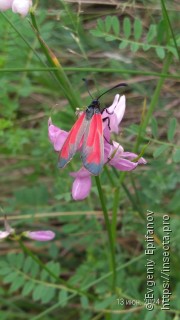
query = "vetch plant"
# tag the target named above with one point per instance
(114, 154)
(17, 6)
(85, 273)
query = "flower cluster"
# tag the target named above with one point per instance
(17, 6)
(46, 235)
(114, 154)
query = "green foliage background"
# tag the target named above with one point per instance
(134, 42)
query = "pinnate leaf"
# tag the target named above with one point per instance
(127, 27)
(116, 25)
(160, 150)
(172, 129)
(137, 29)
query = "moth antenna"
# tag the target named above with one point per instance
(87, 86)
(117, 86)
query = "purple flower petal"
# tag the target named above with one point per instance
(22, 7)
(114, 104)
(5, 4)
(142, 161)
(122, 160)
(40, 235)
(56, 136)
(82, 184)
(120, 108)
(111, 150)
(115, 113)
(132, 156)
(123, 164)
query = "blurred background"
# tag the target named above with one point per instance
(107, 42)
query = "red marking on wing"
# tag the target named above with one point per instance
(73, 141)
(93, 145)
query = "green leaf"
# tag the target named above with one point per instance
(27, 264)
(48, 294)
(176, 156)
(100, 25)
(63, 295)
(150, 315)
(105, 303)
(54, 267)
(137, 29)
(34, 269)
(3, 264)
(4, 124)
(160, 31)
(10, 277)
(11, 258)
(127, 27)
(160, 52)
(171, 129)
(134, 47)
(19, 260)
(160, 150)
(154, 127)
(28, 287)
(151, 33)
(110, 38)
(173, 51)
(97, 33)
(108, 23)
(146, 47)
(38, 292)
(4, 271)
(17, 283)
(84, 301)
(161, 315)
(123, 44)
(116, 25)
(69, 228)
(44, 275)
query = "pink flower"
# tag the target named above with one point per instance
(122, 161)
(56, 136)
(40, 235)
(115, 112)
(114, 154)
(81, 185)
(34, 235)
(18, 6)
(5, 4)
(21, 6)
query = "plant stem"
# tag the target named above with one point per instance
(108, 226)
(94, 69)
(153, 103)
(166, 16)
(59, 73)
(157, 91)
(114, 214)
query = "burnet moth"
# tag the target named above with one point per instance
(87, 133)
